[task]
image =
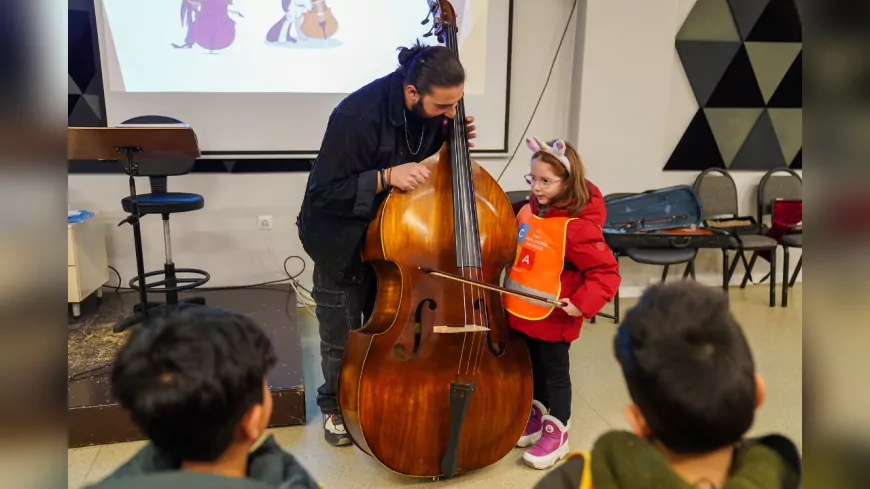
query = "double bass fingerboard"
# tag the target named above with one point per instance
(468, 252)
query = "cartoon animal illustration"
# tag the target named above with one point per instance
(208, 24)
(310, 19)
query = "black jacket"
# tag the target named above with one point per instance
(365, 133)
(269, 467)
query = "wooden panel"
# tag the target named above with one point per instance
(91, 257)
(73, 291)
(70, 246)
(94, 417)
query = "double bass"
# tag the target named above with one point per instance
(435, 383)
(318, 21)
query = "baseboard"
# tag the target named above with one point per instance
(708, 279)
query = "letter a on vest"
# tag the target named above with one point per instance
(538, 265)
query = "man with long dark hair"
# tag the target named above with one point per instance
(374, 140)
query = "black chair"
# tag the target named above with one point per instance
(517, 196)
(653, 256)
(164, 203)
(718, 195)
(788, 186)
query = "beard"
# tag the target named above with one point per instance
(418, 110)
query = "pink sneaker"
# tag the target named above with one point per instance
(552, 447)
(534, 426)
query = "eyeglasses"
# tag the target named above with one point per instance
(545, 182)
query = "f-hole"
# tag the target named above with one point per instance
(399, 349)
(496, 348)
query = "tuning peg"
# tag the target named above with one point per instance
(425, 21)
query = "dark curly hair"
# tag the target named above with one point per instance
(425, 67)
(688, 367)
(188, 379)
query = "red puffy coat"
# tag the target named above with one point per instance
(591, 286)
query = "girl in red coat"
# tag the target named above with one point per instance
(561, 254)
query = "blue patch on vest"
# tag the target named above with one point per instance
(521, 236)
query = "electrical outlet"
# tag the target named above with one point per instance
(265, 223)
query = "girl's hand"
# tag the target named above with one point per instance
(570, 309)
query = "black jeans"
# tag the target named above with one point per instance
(552, 376)
(341, 306)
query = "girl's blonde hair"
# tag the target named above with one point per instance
(576, 194)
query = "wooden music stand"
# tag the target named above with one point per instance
(122, 144)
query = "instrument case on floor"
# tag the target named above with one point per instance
(663, 218)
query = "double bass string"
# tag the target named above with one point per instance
(482, 314)
(462, 170)
(460, 217)
(463, 251)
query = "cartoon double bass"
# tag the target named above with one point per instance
(435, 383)
(316, 22)
(319, 21)
(208, 24)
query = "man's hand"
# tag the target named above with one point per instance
(469, 122)
(570, 309)
(408, 176)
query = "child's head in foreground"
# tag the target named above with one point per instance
(195, 382)
(688, 368)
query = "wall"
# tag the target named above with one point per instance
(223, 238)
(635, 105)
(617, 90)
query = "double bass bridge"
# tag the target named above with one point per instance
(468, 328)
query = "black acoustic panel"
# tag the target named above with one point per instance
(81, 114)
(72, 100)
(738, 87)
(87, 5)
(95, 87)
(709, 20)
(697, 150)
(704, 63)
(82, 66)
(746, 14)
(73, 87)
(761, 150)
(789, 94)
(798, 162)
(780, 22)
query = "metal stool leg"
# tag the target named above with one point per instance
(773, 277)
(784, 276)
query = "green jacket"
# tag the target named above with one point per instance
(621, 460)
(269, 467)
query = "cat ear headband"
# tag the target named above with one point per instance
(557, 149)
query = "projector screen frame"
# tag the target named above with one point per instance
(496, 147)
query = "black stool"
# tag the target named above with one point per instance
(160, 201)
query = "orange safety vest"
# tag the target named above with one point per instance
(537, 268)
